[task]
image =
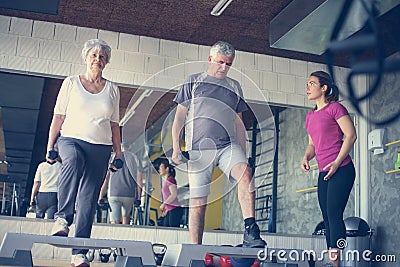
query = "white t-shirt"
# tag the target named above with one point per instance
(87, 115)
(48, 175)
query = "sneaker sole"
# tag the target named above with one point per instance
(60, 233)
(250, 245)
(80, 265)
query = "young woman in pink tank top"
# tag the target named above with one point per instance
(326, 125)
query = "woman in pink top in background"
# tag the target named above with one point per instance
(326, 125)
(170, 208)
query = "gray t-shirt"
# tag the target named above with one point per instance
(123, 182)
(210, 121)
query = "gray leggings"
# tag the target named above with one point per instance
(84, 166)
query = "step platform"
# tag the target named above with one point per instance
(15, 249)
(188, 255)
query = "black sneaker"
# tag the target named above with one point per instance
(252, 237)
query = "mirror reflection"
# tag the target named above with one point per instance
(286, 196)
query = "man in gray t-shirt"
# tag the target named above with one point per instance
(124, 187)
(209, 110)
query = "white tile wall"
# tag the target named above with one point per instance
(20, 26)
(169, 49)
(204, 52)
(83, 34)
(28, 47)
(3, 61)
(66, 33)
(4, 24)
(141, 79)
(43, 30)
(188, 51)
(195, 67)
(286, 83)
(128, 42)
(166, 82)
(300, 85)
(134, 62)
(244, 60)
(149, 45)
(296, 100)
(311, 67)
(61, 68)
(49, 49)
(125, 77)
(252, 75)
(76, 69)
(174, 67)
(263, 62)
(153, 64)
(17, 63)
(38, 66)
(117, 60)
(8, 44)
(135, 59)
(110, 74)
(111, 38)
(278, 97)
(281, 65)
(71, 52)
(269, 81)
(298, 68)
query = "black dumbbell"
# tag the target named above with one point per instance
(117, 163)
(52, 154)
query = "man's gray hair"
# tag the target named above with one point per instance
(222, 48)
(98, 44)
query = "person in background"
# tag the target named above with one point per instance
(44, 190)
(209, 110)
(326, 125)
(124, 187)
(170, 207)
(85, 122)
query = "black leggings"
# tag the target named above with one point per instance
(173, 217)
(332, 197)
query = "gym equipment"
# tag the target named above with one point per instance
(217, 261)
(159, 252)
(242, 262)
(52, 154)
(117, 163)
(189, 255)
(15, 249)
(184, 255)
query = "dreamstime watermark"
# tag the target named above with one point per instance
(348, 255)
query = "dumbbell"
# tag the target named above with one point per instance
(52, 154)
(117, 163)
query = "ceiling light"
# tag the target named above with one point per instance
(220, 7)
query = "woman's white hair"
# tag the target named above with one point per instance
(98, 44)
(222, 48)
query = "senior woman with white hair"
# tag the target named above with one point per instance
(85, 122)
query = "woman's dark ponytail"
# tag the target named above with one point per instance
(171, 168)
(332, 93)
(172, 171)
